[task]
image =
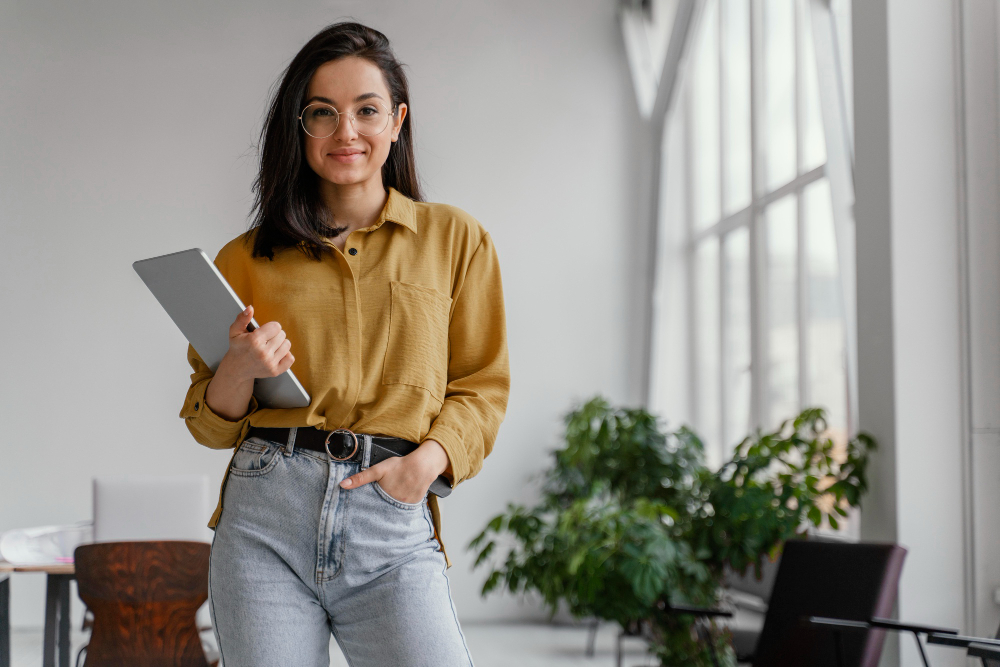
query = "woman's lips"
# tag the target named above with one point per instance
(346, 158)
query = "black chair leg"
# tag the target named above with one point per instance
(5, 621)
(705, 634)
(920, 647)
(592, 638)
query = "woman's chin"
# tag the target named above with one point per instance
(344, 176)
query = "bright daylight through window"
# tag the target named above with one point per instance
(751, 306)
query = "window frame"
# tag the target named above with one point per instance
(815, 16)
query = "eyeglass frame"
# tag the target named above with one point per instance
(350, 114)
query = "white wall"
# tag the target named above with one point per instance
(926, 119)
(126, 131)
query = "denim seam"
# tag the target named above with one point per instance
(343, 502)
(336, 533)
(454, 614)
(321, 457)
(430, 524)
(322, 550)
(392, 501)
(211, 605)
(255, 473)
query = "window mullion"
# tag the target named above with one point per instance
(801, 271)
(758, 278)
(724, 324)
(694, 379)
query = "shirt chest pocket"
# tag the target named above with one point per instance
(417, 352)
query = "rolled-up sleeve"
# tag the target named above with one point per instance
(207, 427)
(478, 370)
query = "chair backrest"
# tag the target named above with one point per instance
(144, 596)
(151, 507)
(855, 581)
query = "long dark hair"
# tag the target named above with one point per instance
(288, 208)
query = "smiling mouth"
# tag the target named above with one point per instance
(341, 157)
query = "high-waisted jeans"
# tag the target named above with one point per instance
(296, 558)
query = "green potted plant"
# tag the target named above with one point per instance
(630, 516)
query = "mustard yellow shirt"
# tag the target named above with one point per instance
(406, 337)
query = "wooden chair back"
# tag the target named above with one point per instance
(144, 596)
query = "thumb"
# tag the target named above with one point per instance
(242, 320)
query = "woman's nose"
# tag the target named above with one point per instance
(345, 129)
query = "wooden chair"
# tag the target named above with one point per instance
(144, 596)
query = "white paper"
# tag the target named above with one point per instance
(45, 544)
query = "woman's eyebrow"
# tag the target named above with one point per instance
(325, 100)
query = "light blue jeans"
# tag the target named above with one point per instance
(295, 557)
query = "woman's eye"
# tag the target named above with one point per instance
(368, 111)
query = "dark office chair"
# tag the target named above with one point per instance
(856, 581)
(144, 596)
(986, 649)
(822, 578)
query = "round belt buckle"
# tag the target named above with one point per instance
(326, 444)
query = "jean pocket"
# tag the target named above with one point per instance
(397, 503)
(254, 457)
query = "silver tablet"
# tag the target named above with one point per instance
(203, 306)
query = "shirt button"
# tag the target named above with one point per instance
(196, 405)
(353, 251)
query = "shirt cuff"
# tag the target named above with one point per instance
(453, 447)
(208, 427)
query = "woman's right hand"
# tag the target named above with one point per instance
(261, 353)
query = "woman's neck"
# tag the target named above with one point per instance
(353, 206)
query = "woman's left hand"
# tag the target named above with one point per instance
(405, 478)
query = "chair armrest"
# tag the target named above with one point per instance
(986, 651)
(836, 622)
(956, 640)
(885, 624)
(705, 612)
(890, 624)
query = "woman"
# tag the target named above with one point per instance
(395, 308)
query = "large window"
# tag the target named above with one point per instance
(749, 226)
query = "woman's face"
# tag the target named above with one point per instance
(350, 84)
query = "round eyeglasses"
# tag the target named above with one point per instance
(320, 120)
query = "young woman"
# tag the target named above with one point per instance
(395, 310)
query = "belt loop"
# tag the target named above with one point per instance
(366, 457)
(290, 446)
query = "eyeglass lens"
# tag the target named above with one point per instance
(321, 120)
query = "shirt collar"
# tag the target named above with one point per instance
(399, 209)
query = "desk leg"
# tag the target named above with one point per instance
(56, 620)
(51, 610)
(64, 619)
(5, 621)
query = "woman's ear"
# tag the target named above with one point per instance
(400, 115)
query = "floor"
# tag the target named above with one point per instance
(492, 645)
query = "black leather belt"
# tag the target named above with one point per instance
(345, 445)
